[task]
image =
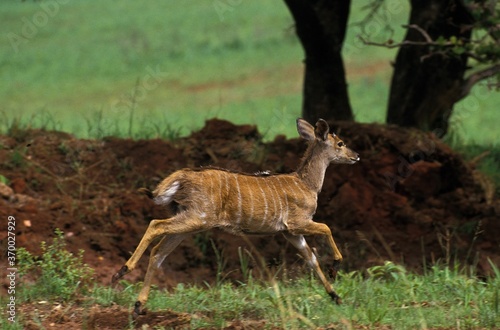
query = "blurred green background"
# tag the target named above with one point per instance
(161, 68)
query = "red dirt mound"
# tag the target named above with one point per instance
(410, 198)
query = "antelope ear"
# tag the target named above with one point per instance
(322, 129)
(306, 131)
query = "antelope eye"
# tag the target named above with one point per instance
(341, 144)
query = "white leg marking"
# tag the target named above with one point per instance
(302, 242)
(314, 261)
(168, 246)
(160, 260)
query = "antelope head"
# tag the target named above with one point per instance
(331, 147)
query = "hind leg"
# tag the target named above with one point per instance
(157, 228)
(158, 255)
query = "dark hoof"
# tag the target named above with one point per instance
(137, 309)
(332, 272)
(119, 274)
(335, 298)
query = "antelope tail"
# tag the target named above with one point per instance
(146, 192)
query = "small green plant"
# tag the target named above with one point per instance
(169, 132)
(3, 179)
(17, 159)
(387, 271)
(13, 127)
(221, 264)
(64, 148)
(245, 257)
(57, 273)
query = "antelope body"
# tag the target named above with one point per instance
(246, 204)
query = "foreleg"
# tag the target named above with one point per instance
(315, 228)
(300, 243)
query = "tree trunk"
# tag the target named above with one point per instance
(321, 27)
(427, 82)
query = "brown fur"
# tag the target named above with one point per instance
(242, 203)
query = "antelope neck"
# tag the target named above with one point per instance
(312, 169)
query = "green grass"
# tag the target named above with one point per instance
(385, 295)
(442, 298)
(184, 64)
(128, 69)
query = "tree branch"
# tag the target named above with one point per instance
(477, 77)
(373, 7)
(390, 44)
(424, 33)
(428, 40)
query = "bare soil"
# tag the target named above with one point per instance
(410, 198)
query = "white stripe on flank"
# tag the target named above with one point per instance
(226, 176)
(220, 189)
(250, 193)
(264, 198)
(273, 215)
(285, 197)
(300, 188)
(238, 220)
(292, 191)
(278, 197)
(212, 201)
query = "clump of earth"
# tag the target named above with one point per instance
(411, 199)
